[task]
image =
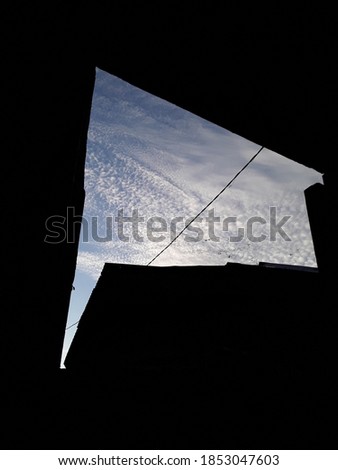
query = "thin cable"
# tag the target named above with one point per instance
(206, 207)
(192, 220)
(71, 326)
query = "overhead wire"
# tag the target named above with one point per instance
(71, 326)
(196, 216)
(206, 207)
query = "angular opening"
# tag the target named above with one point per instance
(151, 167)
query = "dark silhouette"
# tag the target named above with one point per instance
(218, 349)
(249, 72)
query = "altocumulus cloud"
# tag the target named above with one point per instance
(148, 155)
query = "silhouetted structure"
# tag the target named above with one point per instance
(143, 317)
(211, 354)
(247, 71)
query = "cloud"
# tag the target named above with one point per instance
(148, 155)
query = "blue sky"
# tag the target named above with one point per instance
(147, 156)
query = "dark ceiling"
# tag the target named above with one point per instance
(259, 72)
(263, 73)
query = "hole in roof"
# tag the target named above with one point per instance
(152, 166)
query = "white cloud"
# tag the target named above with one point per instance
(145, 153)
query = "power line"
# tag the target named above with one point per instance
(204, 208)
(71, 326)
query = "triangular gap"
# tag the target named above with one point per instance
(152, 165)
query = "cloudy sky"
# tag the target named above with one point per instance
(152, 166)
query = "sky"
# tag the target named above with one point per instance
(152, 166)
